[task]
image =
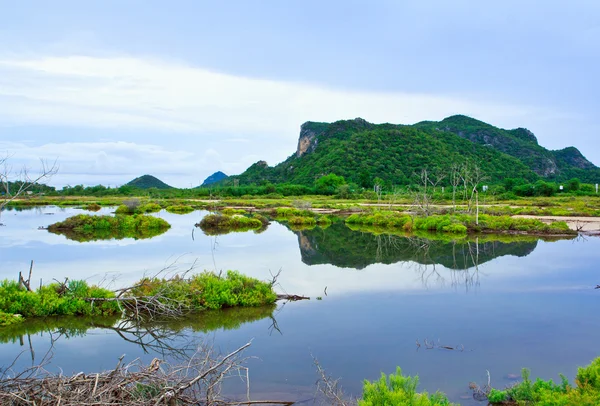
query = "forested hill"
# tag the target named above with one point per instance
(361, 151)
(147, 182)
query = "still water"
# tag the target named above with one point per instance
(509, 303)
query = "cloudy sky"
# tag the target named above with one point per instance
(118, 88)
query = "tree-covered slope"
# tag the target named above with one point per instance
(361, 151)
(147, 182)
(521, 144)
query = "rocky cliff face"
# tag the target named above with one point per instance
(307, 141)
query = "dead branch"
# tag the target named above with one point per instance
(330, 390)
(195, 382)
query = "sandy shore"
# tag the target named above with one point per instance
(588, 225)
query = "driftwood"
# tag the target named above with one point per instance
(292, 297)
(195, 382)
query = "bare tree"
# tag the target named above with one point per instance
(15, 182)
(455, 179)
(428, 181)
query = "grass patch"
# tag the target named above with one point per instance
(149, 208)
(214, 224)
(93, 207)
(231, 211)
(289, 212)
(180, 209)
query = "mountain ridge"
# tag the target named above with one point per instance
(362, 151)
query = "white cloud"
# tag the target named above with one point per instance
(152, 94)
(197, 121)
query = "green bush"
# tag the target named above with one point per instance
(209, 290)
(55, 300)
(399, 390)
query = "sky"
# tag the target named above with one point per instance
(115, 89)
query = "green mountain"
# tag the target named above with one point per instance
(214, 178)
(147, 182)
(361, 151)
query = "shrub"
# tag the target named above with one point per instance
(397, 389)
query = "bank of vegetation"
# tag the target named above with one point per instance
(458, 223)
(147, 298)
(400, 390)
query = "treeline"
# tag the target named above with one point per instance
(334, 185)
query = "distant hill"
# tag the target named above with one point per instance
(361, 151)
(147, 182)
(214, 178)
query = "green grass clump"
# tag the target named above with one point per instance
(297, 221)
(93, 207)
(210, 291)
(180, 209)
(399, 390)
(231, 211)
(149, 208)
(287, 212)
(122, 209)
(55, 300)
(221, 223)
(7, 319)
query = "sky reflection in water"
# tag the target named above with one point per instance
(527, 303)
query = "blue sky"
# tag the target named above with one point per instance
(181, 89)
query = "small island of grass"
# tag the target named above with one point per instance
(214, 224)
(85, 227)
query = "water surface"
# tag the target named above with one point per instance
(511, 304)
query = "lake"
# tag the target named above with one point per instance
(502, 303)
